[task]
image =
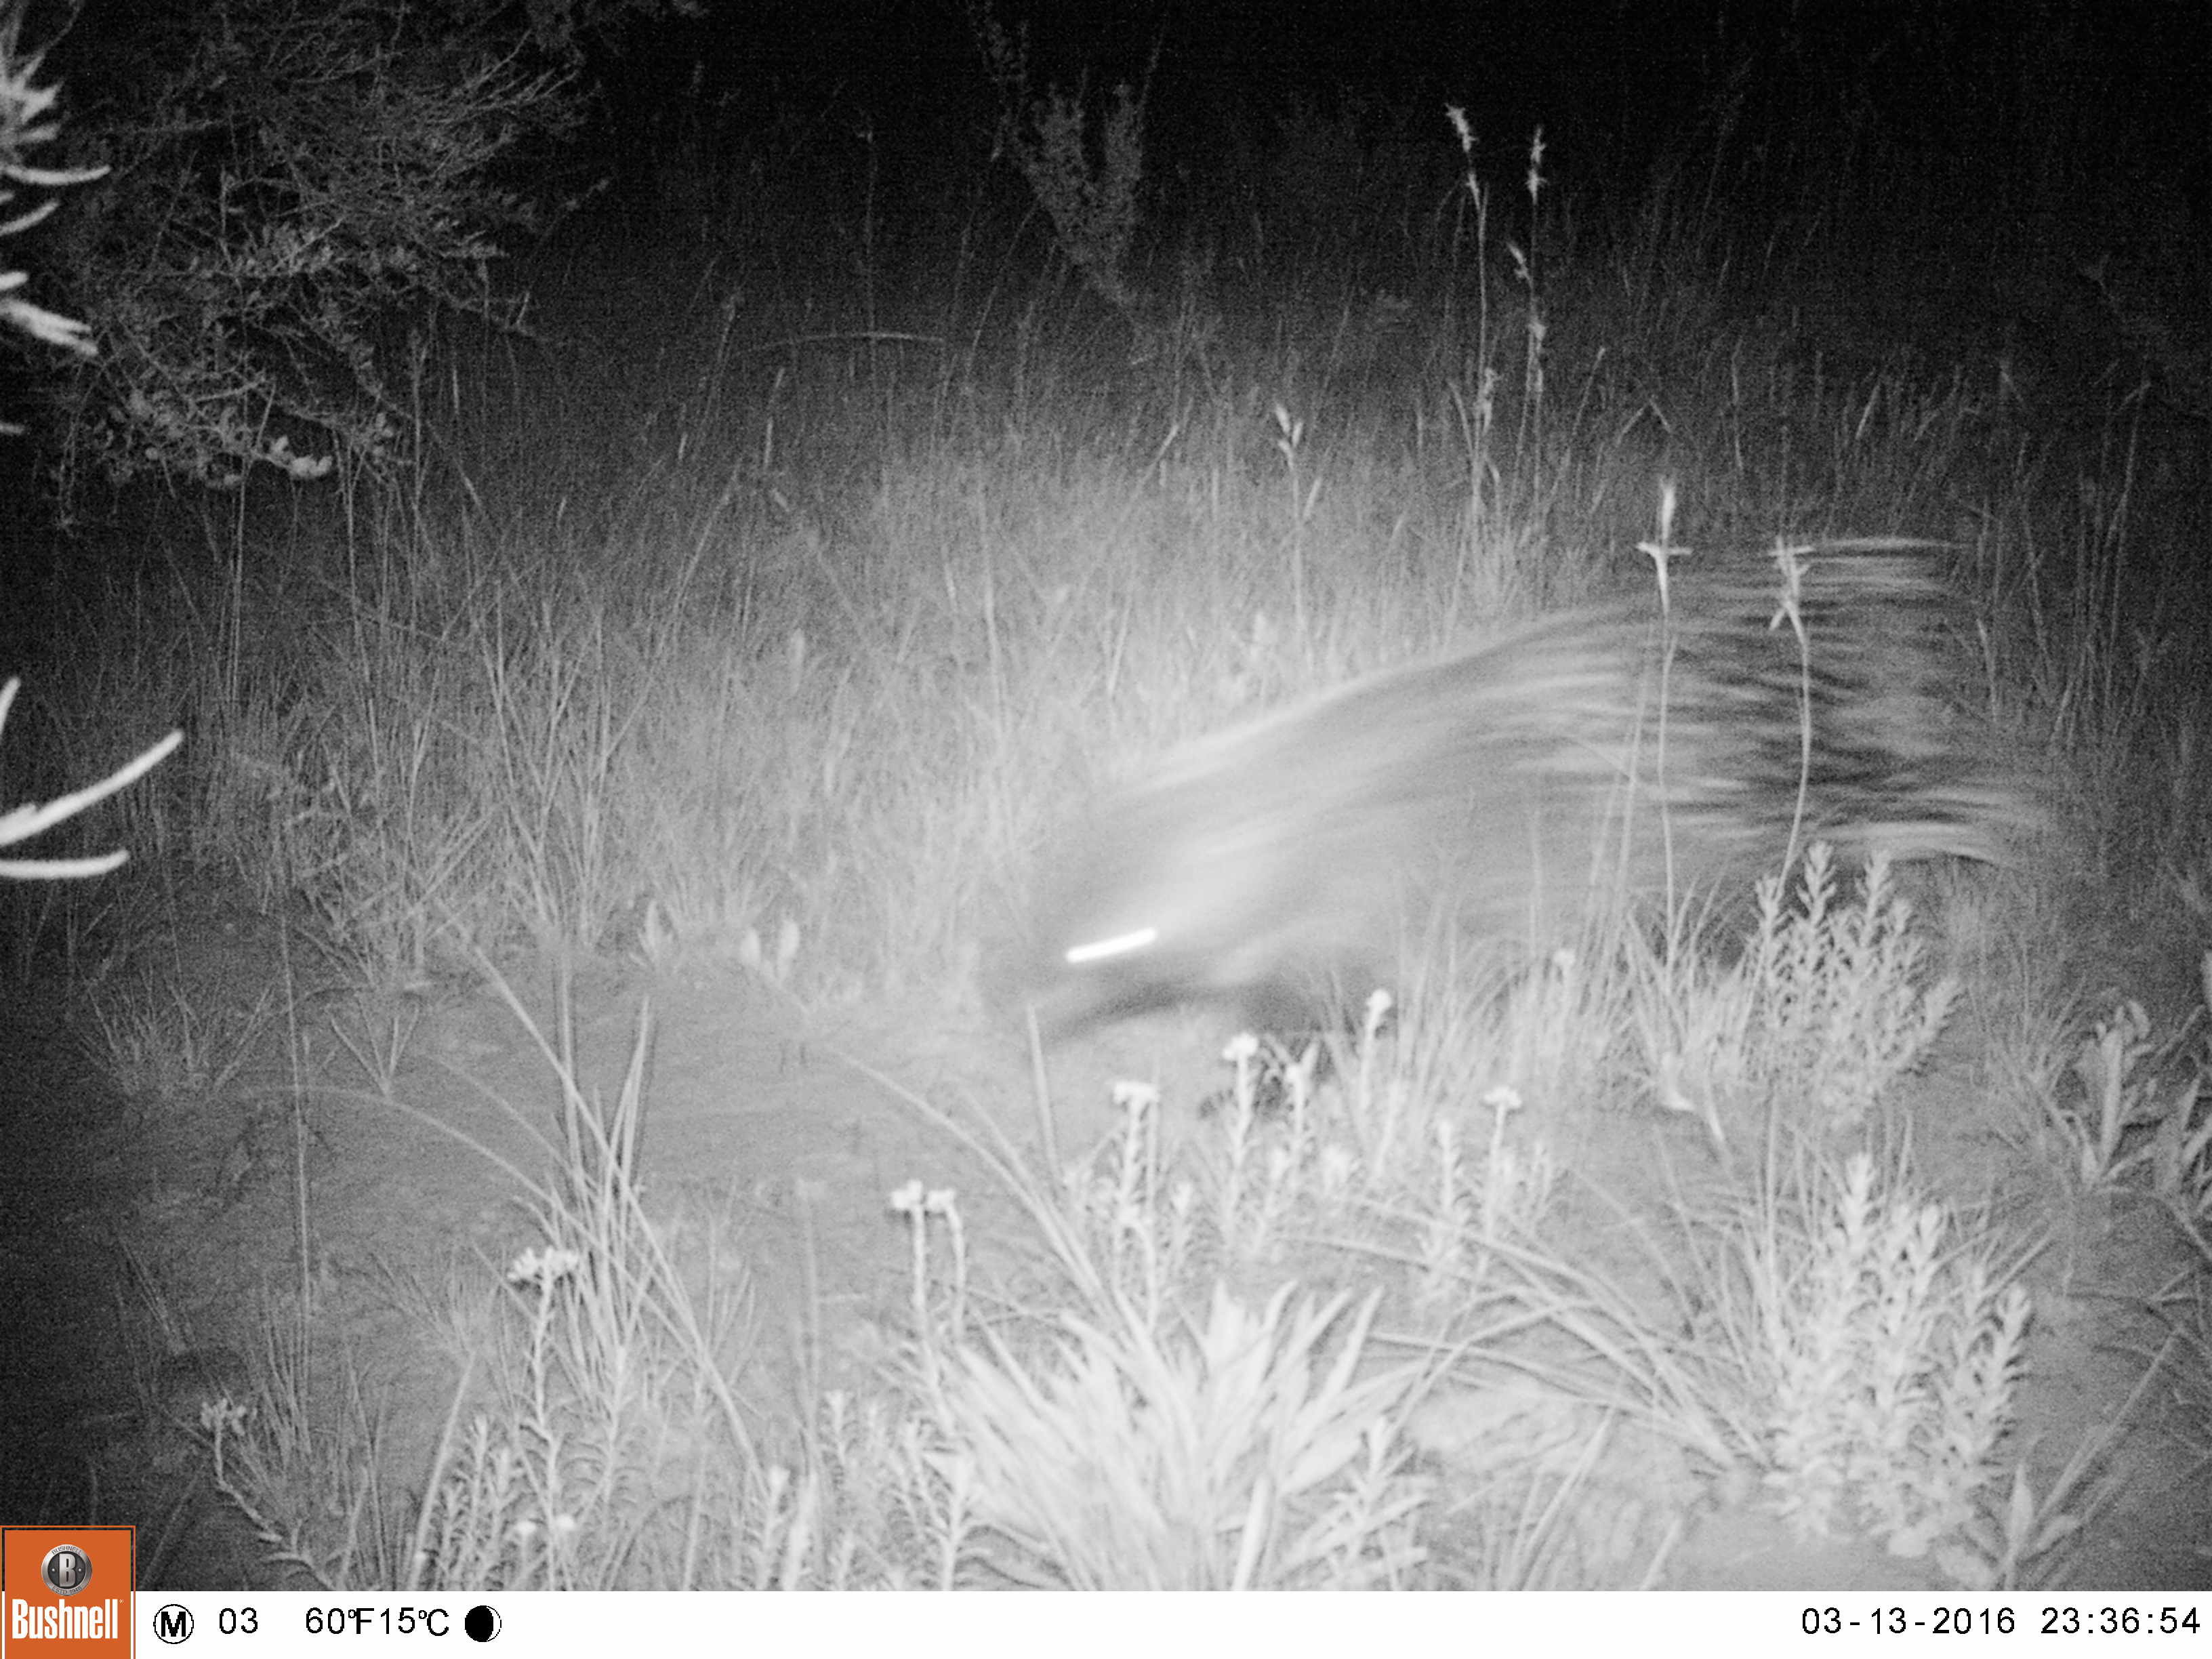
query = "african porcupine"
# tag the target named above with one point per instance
(1497, 789)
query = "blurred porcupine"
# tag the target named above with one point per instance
(1607, 751)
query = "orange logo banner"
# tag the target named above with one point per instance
(65, 1592)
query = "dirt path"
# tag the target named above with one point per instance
(148, 1246)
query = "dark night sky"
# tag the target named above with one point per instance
(1617, 78)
